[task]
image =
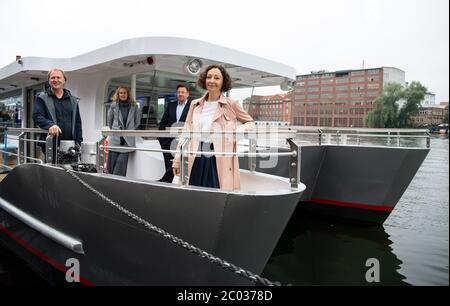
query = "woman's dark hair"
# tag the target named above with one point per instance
(227, 81)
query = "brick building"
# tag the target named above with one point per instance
(340, 98)
(429, 115)
(270, 108)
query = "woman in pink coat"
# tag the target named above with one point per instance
(212, 115)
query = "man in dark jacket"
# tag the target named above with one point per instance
(174, 115)
(57, 111)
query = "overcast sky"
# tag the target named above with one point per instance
(412, 35)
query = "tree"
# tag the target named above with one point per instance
(386, 113)
(414, 94)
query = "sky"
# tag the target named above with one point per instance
(412, 35)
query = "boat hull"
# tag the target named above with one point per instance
(355, 183)
(239, 228)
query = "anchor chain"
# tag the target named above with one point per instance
(178, 241)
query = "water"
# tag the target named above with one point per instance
(412, 247)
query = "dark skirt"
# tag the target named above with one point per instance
(204, 169)
(117, 163)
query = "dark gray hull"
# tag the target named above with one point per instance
(355, 183)
(242, 229)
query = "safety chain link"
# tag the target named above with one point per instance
(180, 242)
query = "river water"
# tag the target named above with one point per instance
(410, 248)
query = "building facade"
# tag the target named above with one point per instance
(274, 108)
(340, 98)
(429, 115)
(429, 99)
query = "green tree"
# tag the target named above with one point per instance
(414, 94)
(386, 113)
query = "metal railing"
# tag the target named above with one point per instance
(405, 138)
(22, 136)
(185, 138)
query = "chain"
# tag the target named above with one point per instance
(178, 241)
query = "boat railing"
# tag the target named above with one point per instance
(251, 152)
(15, 139)
(401, 138)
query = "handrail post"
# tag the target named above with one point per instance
(294, 169)
(184, 163)
(398, 139)
(338, 137)
(100, 158)
(50, 149)
(428, 140)
(5, 139)
(252, 159)
(21, 149)
(320, 137)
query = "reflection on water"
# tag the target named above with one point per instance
(316, 251)
(419, 223)
(412, 246)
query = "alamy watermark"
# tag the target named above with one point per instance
(373, 274)
(73, 271)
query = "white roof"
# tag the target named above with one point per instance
(169, 54)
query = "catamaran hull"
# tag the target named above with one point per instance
(116, 250)
(353, 183)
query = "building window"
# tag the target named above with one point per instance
(326, 95)
(357, 73)
(311, 121)
(373, 86)
(356, 94)
(357, 87)
(326, 82)
(372, 93)
(342, 87)
(357, 80)
(342, 95)
(340, 122)
(341, 80)
(373, 71)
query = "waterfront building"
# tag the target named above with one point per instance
(340, 98)
(429, 99)
(429, 115)
(274, 108)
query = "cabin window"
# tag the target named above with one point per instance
(154, 90)
(11, 111)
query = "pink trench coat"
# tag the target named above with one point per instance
(225, 119)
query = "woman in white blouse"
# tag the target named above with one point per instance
(212, 115)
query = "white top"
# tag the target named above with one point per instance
(180, 108)
(206, 119)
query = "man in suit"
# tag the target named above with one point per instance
(174, 115)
